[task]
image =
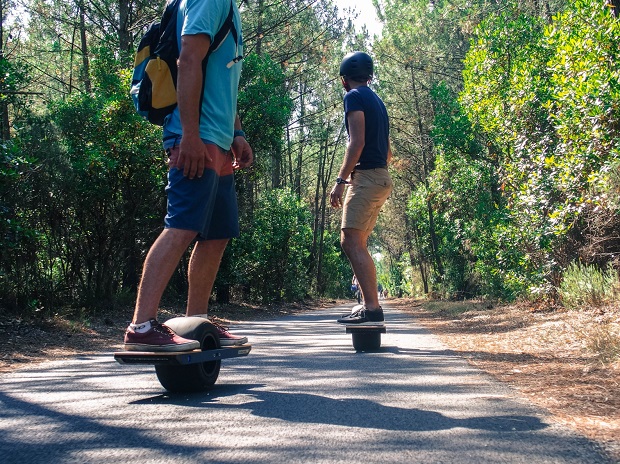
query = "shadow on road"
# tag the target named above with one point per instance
(315, 409)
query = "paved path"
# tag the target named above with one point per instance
(303, 395)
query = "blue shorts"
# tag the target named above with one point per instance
(207, 205)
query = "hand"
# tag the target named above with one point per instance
(242, 153)
(193, 156)
(335, 197)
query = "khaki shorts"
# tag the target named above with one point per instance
(366, 194)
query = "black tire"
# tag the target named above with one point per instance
(370, 341)
(193, 377)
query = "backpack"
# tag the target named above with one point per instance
(154, 80)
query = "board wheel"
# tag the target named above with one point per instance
(366, 341)
(193, 377)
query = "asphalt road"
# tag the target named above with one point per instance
(302, 395)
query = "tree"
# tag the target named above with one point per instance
(422, 44)
(271, 258)
(544, 95)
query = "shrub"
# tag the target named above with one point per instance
(587, 285)
(272, 256)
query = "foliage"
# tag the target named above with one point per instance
(505, 93)
(18, 239)
(336, 271)
(469, 212)
(271, 256)
(110, 188)
(93, 197)
(546, 97)
(585, 108)
(587, 285)
(395, 276)
(14, 76)
(504, 128)
(264, 105)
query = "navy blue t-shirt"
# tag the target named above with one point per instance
(374, 154)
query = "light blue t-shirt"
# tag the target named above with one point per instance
(219, 105)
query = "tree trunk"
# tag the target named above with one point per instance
(4, 106)
(124, 36)
(427, 168)
(259, 28)
(302, 113)
(84, 47)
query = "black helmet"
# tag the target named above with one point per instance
(357, 65)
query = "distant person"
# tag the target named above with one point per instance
(364, 169)
(354, 284)
(355, 288)
(205, 143)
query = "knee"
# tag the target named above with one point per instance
(349, 242)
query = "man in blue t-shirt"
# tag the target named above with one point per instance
(205, 144)
(364, 169)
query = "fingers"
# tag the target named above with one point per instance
(194, 168)
(335, 197)
(242, 152)
(246, 160)
(192, 159)
(173, 158)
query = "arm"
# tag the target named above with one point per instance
(241, 149)
(357, 140)
(192, 151)
(389, 153)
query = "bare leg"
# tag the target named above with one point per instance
(203, 267)
(159, 265)
(354, 244)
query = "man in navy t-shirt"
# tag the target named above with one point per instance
(364, 169)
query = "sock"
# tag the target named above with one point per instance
(142, 327)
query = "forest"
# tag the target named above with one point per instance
(505, 128)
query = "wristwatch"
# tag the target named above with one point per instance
(340, 180)
(239, 133)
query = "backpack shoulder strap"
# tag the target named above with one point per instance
(227, 28)
(168, 29)
(170, 12)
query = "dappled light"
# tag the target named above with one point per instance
(302, 383)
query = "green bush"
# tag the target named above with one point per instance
(335, 276)
(587, 285)
(272, 255)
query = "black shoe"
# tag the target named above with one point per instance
(354, 309)
(364, 316)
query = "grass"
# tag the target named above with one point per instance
(603, 342)
(455, 308)
(587, 285)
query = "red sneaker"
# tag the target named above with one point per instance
(226, 338)
(159, 337)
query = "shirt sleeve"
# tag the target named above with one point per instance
(204, 16)
(353, 101)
